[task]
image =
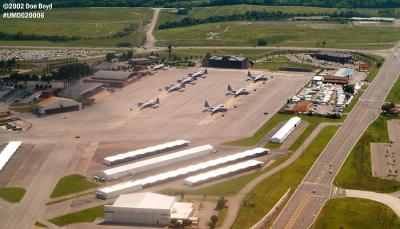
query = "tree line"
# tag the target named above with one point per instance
(201, 3)
(254, 16)
(69, 72)
(28, 37)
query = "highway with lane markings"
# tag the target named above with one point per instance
(316, 188)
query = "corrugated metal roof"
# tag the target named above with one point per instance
(140, 152)
(112, 75)
(8, 152)
(344, 72)
(182, 171)
(285, 129)
(80, 89)
(192, 180)
(145, 200)
(153, 161)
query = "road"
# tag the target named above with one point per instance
(316, 188)
(235, 201)
(150, 41)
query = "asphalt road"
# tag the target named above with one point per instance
(316, 188)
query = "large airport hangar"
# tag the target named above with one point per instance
(227, 62)
(333, 56)
(82, 91)
(117, 79)
(54, 105)
(146, 209)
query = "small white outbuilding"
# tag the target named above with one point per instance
(285, 130)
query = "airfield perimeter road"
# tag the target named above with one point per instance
(150, 40)
(316, 188)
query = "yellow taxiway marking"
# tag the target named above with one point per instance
(297, 213)
(133, 113)
(228, 104)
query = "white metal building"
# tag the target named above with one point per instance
(285, 130)
(221, 172)
(135, 185)
(140, 208)
(344, 72)
(132, 155)
(156, 162)
(8, 152)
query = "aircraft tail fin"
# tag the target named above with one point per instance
(157, 101)
(206, 104)
(140, 104)
(205, 71)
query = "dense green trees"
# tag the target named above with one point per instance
(34, 37)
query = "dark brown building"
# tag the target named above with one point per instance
(336, 80)
(227, 62)
(333, 56)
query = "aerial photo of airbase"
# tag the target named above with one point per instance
(200, 114)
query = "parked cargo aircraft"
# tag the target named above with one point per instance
(216, 109)
(150, 103)
(188, 80)
(236, 93)
(175, 87)
(260, 77)
(201, 74)
(160, 67)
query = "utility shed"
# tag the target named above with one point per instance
(285, 130)
(140, 208)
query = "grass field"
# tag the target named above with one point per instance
(270, 190)
(285, 33)
(39, 224)
(356, 172)
(204, 12)
(221, 217)
(356, 213)
(94, 23)
(394, 95)
(12, 194)
(72, 184)
(280, 62)
(86, 215)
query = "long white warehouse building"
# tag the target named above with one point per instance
(156, 162)
(221, 172)
(134, 185)
(285, 130)
(132, 155)
(8, 152)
